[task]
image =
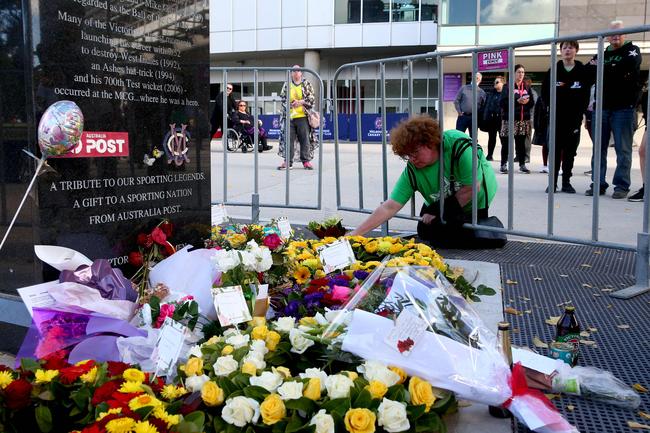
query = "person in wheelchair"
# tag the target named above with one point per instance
(243, 123)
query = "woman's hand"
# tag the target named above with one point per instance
(427, 218)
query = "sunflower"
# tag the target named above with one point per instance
(46, 376)
(145, 427)
(120, 425)
(302, 274)
(129, 387)
(143, 400)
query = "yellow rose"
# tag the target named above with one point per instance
(133, 375)
(312, 391)
(211, 394)
(272, 409)
(272, 340)
(249, 368)
(260, 332)
(258, 321)
(421, 393)
(377, 389)
(360, 421)
(308, 321)
(213, 340)
(319, 273)
(371, 247)
(351, 374)
(284, 371)
(395, 248)
(227, 350)
(402, 374)
(193, 367)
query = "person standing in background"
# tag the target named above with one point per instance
(463, 104)
(217, 114)
(492, 115)
(524, 102)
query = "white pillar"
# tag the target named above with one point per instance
(312, 61)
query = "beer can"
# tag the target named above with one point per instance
(563, 351)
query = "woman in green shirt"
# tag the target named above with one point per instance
(418, 140)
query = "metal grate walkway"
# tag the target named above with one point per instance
(539, 278)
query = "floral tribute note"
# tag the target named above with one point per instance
(407, 332)
(337, 255)
(231, 305)
(169, 345)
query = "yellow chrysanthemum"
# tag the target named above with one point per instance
(372, 264)
(384, 247)
(329, 239)
(395, 248)
(120, 425)
(302, 274)
(170, 392)
(103, 415)
(171, 420)
(5, 379)
(45, 376)
(90, 376)
(237, 240)
(145, 427)
(312, 264)
(133, 375)
(298, 244)
(371, 247)
(305, 255)
(143, 400)
(129, 387)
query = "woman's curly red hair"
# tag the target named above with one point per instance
(413, 133)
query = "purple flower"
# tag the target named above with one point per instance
(292, 308)
(360, 275)
(313, 300)
(338, 281)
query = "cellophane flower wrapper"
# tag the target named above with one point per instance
(62, 327)
(109, 281)
(457, 352)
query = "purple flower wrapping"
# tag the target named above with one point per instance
(110, 282)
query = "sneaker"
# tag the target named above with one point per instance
(619, 194)
(544, 169)
(283, 166)
(637, 196)
(307, 165)
(504, 168)
(524, 169)
(590, 191)
(567, 188)
(489, 158)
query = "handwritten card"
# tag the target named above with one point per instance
(336, 255)
(219, 214)
(231, 305)
(285, 228)
(37, 296)
(169, 344)
(408, 330)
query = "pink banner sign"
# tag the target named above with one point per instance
(101, 144)
(492, 60)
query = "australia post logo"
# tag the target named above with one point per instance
(101, 144)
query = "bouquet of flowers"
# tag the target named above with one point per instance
(331, 227)
(152, 248)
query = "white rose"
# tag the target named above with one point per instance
(256, 359)
(195, 383)
(195, 351)
(263, 260)
(259, 346)
(285, 324)
(298, 342)
(392, 416)
(226, 260)
(225, 365)
(323, 421)
(338, 386)
(290, 390)
(315, 372)
(238, 340)
(248, 260)
(267, 380)
(342, 317)
(373, 370)
(240, 411)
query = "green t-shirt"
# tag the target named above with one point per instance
(428, 177)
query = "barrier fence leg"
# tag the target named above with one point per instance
(641, 270)
(384, 229)
(255, 209)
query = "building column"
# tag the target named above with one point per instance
(312, 61)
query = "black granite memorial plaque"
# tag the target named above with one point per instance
(139, 71)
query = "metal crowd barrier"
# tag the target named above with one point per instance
(255, 203)
(643, 237)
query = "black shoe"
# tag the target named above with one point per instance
(267, 147)
(504, 168)
(568, 188)
(619, 194)
(489, 158)
(524, 169)
(590, 191)
(637, 196)
(554, 190)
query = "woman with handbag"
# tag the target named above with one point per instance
(418, 141)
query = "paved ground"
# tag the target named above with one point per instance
(620, 220)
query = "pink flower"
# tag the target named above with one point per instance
(272, 241)
(166, 310)
(158, 236)
(340, 293)
(187, 298)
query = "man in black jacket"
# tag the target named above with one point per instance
(621, 88)
(217, 114)
(572, 96)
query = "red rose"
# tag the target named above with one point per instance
(135, 258)
(158, 236)
(272, 241)
(102, 393)
(18, 394)
(56, 360)
(116, 368)
(144, 240)
(168, 249)
(167, 228)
